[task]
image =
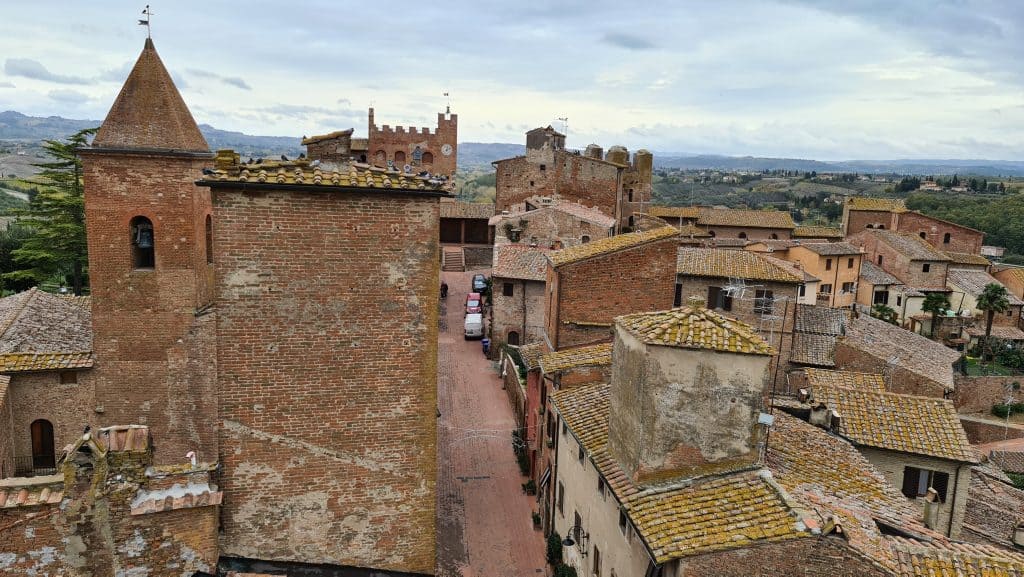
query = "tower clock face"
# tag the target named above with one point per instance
(446, 150)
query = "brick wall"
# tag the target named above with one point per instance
(910, 272)
(478, 257)
(523, 312)
(69, 408)
(749, 232)
(961, 239)
(155, 360)
(983, 430)
(898, 379)
(327, 367)
(855, 221)
(978, 394)
(6, 429)
(598, 289)
(546, 226)
(514, 389)
(575, 178)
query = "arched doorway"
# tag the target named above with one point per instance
(42, 445)
(513, 338)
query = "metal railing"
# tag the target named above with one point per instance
(30, 466)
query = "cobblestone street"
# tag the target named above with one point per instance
(484, 524)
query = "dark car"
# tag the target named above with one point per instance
(479, 283)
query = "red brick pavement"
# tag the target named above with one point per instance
(484, 524)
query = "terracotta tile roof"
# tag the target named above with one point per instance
(813, 349)
(831, 248)
(808, 462)
(178, 496)
(714, 242)
(710, 262)
(859, 381)
(745, 218)
(966, 258)
(738, 510)
(871, 274)
(589, 356)
(149, 113)
(821, 320)
(28, 492)
(876, 204)
(946, 558)
(40, 322)
(303, 173)
(973, 282)
(695, 328)
(124, 438)
(574, 209)
(711, 514)
(675, 211)
(910, 245)
(84, 301)
(907, 349)
(1011, 461)
(610, 245)
(998, 331)
(817, 232)
(691, 231)
(459, 209)
(906, 423)
(329, 136)
(531, 353)
(1016, 273)
(520, 261)
(27, 362)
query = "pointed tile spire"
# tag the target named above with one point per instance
(149, 113)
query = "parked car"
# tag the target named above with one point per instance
(479, 283)
(474, 326)
(473, 304)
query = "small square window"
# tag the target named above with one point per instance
(68, 377)
(828, 264)
(506, 289)
(849, 263)
(926, 267)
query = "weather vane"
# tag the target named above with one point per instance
(145, 22)
(449, 107)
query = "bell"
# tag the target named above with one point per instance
(144, 237)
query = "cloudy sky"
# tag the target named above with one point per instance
(822, 79)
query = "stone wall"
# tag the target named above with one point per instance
(327, 368)
(477, 258)
(592, 292)
(547, 226)
(523, 312)
(155, 358)
(988, 430)
(546, 172)
(514, 389)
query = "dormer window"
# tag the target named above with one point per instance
(143, 244)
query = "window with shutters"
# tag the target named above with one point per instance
(917, 481)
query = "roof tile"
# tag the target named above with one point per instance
(695, 328)
(520, 261)
(859, 381)
(876, 204)
(719, 263)
(817, 232)
(745, 218)
(609, 245)
(588, 356)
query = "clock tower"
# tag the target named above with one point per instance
(411, 149)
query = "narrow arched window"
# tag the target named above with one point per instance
(143, 243)
(775, 236)
(399, 157)
(209, 239)
(945, 238)
(428, 158)
(513, 338)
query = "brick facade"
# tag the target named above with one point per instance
(941, 234)
(155, 354)
(68, 407)
(584, 296)
(901, 265)
(522, 312)
(399, 145)
(547, 227)
(898, 379)
(748, 232)
(6, 429)
(855, 221)
(327, 351)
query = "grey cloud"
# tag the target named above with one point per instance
(28, 68)
(68, 96)
(628, 41)
(7, 85)
(230, 80)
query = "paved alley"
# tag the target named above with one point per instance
(484, 524)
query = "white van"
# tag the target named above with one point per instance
(474, 326)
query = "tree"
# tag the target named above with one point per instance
(935, 303)
(884, 312)
(993, 299)
(56, 218)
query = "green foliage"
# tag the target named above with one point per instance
(522, 455)
(554, 550)
(993, 299)
(936, 304)
(530, 487)
(908, 184)
(884, 312)
(564, 570)
(10, 241)
(536, 519)
(1003, 410)
(56, 219)
(1017, 479)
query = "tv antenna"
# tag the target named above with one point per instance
(565, 125)
(448, 107)
(145, 21)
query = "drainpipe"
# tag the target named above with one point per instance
(952, 509)
(835, 284)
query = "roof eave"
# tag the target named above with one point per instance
(267, 186)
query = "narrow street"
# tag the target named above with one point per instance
(484, 518)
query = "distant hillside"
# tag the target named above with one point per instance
(909, 166)
(482, 154)
(17, 126)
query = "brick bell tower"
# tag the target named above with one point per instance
(151, 267)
